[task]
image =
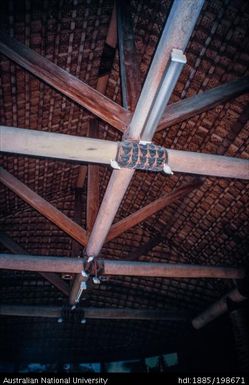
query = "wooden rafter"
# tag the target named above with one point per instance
(64, 82)
(119, 180)
(104, 73)
(43, 207)
(53, 278)
(93, 312)
(178, 30)
(78, 208)
(150, 209)
(113, 267)
(129, 68)
(81, 177)
(184, 109)
(108, 53)
(217, 309)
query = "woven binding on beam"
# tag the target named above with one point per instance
(140, 156)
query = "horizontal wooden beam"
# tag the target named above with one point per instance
(92, 313)
(169, 270)
(128, 268)
(40, 263)
(208, 164)
(184, 109)
(53, 278)
(59, 146)
(150, 209)
(43, 207)
(64, 82)
(217, 309)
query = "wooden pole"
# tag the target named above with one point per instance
(103, 76)
(129, 68)
(153, 269)
(59, 146)
(217, 309)
(126, 268)
(92, 313)
(207, 164)
(54, 279)
(176, 34)
(92, 206)
(43, 207)
(184, 109)
(64, 82)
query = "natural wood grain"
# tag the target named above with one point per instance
(55, 145)
(92, 182)
(184, 109)
(113, 267)
(43, 207)
(208, 164)
(128, 61)
(64, 82)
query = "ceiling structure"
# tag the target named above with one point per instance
(50, 206)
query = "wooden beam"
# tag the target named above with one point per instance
(59, 146)
(184, 109)
(108, 53)
(176, 34)
(129, 68)
(92, 183)
(77, 218)
(40, 263)
(149, 210)
(64, 82)
(117, 267)
(106, 63)
(92, 313)
(168, 270)
(208, 164)
(217, 309)
(53, 278)
(81, 177)
(43, 207)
